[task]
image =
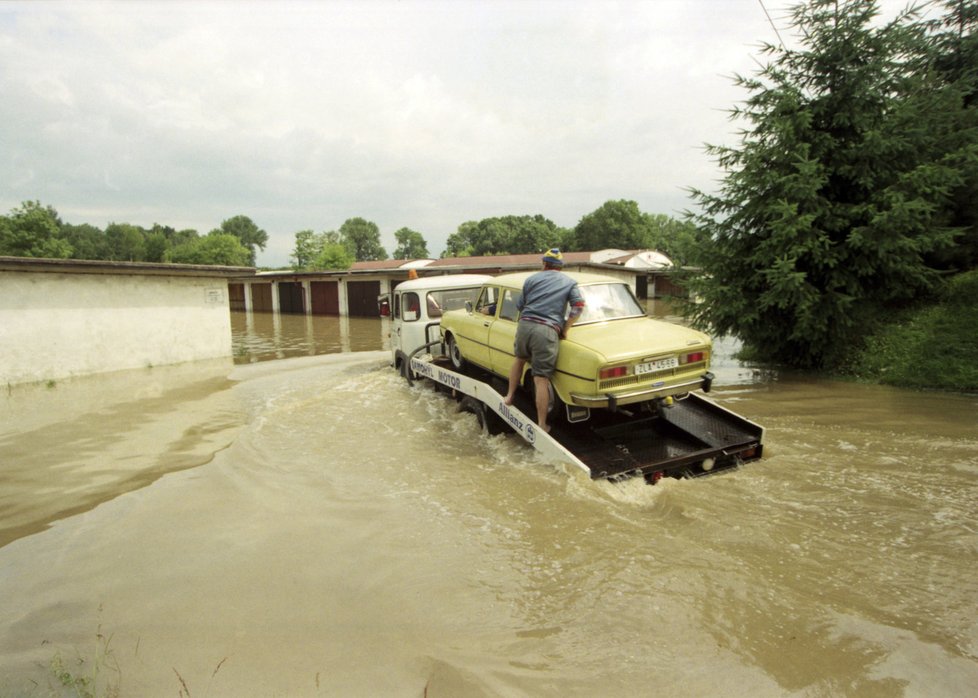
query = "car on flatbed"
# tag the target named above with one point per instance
(613, 356)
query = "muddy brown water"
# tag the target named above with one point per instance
(312, 526)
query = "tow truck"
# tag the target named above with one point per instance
(677, 438)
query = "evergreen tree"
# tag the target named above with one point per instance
(838, 194)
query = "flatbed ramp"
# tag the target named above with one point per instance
(689, 438)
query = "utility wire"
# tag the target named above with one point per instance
(771, 22)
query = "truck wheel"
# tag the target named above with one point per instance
(455, 354)
(489, 422)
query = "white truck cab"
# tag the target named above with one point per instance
(416, 306)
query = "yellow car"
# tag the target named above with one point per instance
(614, 355)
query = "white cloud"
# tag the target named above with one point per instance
(410, 113)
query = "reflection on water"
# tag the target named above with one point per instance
(268, 336)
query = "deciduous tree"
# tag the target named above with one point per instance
(410, 245)
(504, 235)
(250, 235)
(214, 248)
(616, 224)
(33, 230)
(362, 238)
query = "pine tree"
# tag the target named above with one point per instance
(835, 202)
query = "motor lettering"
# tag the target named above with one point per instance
(450, 380)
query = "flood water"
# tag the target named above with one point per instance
(313, 526)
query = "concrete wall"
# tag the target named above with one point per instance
(57, 322)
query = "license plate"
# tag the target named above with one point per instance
(658, 365)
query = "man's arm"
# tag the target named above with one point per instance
(576, 308)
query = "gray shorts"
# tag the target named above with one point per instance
(537, 344)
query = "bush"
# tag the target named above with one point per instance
(930, 347)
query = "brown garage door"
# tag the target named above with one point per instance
(325, 298)
(261, 298)
(361, 298)
(236, 296)
(290, 298)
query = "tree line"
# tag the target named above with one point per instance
(35, 230)
(618, 224)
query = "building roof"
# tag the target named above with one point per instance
(93, 266)
(491, 264)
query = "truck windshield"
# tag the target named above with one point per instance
(608, 302)
(450, 299)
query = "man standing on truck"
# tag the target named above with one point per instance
(541, 327)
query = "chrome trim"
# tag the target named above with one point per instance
(637, 396)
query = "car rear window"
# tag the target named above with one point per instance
(608, 302)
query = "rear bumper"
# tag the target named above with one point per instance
(613, 400)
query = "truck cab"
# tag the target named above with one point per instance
(415, 308)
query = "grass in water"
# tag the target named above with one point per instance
(96, 678)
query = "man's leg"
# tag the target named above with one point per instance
(541, 387)
(515, 372)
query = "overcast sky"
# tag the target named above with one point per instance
(301, 115)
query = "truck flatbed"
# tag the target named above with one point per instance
(690, 437)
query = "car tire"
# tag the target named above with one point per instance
(454, 353)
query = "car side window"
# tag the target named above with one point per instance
(509, 310)
(487, 301)
(411, 306)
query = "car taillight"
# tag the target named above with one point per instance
(693, 358)
(616, 372)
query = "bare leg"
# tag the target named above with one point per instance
(541, 385)
(515, 372)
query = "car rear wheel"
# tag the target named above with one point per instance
(454, 353)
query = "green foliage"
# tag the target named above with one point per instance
(332, 256)
(87, 241)
(410, 245)
(676, 239)
(622, 225)
(616, 224)
(98, 675)
(839, 201)
(307, 246)
(214, 248)
(32, 230)
(504, 235)
(249, 234)
(362, 238)
(126, 243)
(932, 346)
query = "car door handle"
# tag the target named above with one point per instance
(486, 324)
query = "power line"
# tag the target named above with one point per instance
(771, 22)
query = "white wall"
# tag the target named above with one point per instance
(55, 325)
